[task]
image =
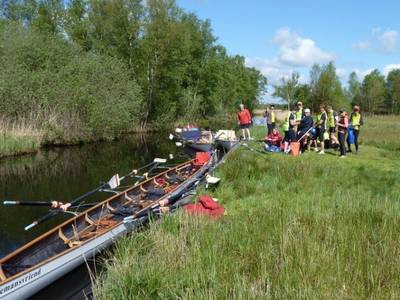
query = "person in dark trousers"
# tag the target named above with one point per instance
(356, 121)
(244, 121)
(271, 119)
(321, 128)
(305, 125)
(342, 126)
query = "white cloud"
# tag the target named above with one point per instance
(384, 41)
(361, 45)
(389, 68)
(295, 50)
(271, 68)
(388, 41)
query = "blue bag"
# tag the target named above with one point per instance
(350, 136)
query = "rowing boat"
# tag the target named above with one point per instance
(226, 139)
(50, 256)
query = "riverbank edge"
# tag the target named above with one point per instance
(41, 143)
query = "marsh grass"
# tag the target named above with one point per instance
(309, 227)
(19, 137)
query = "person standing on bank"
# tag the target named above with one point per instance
(356, 121)
(271, 119)
(244, 121)
(342, 125)
(321, 127)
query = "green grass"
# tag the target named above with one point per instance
(309, 227)
(15, 144)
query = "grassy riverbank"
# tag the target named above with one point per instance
(312, 227)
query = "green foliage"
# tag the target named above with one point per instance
(75, 95)
(393, 91)
(287, 89)
(326, 88)
(373, 92)
(91, 69)
(312, 227)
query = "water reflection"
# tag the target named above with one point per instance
(65, 173)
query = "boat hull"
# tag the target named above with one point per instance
(36, 278)
(199, 146)
(227, 145)
(28, 284)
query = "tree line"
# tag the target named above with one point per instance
(94, 68)
(375, 94)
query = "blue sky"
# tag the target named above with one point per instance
(282, 36)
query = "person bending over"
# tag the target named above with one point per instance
(304, 129)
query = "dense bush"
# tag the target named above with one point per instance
(74, 95)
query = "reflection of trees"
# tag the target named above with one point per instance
(65, 173)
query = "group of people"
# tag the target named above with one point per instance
(299, 126)
(328, 128)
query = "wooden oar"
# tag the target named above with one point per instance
(112, 183)
(56, 211)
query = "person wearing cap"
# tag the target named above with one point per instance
(356, 121)
(244, 121)
(305, 126)
(342, 124)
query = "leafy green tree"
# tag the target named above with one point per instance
(303, 94)
(354, 89)
(326, 87)
(287, 89)
(393, 91)
(373, 92)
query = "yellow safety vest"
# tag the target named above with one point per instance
(330, 119)
(355, 120)
(272, 117)
(319, 117)
(299, 115)
(285, 125)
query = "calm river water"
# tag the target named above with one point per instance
(64, 174)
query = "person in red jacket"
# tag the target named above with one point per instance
(274, 138)
(244, 122)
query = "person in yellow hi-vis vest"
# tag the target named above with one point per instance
(356, 121)
(271, 118)
(288, 128)
(332, 119)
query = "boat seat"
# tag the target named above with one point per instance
(2, 275)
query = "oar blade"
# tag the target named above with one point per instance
(171, 136)
(31, 226)
(10, 202)
(160, 160)
(114, 181)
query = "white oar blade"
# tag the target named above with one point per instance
(212, 179)
(178, 144)
(10, 202)
(178, 130)
(114, 181)
(30, 226)
(171, 136)
(171, 156)
(160, 160)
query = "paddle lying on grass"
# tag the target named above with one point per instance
(113, 183)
